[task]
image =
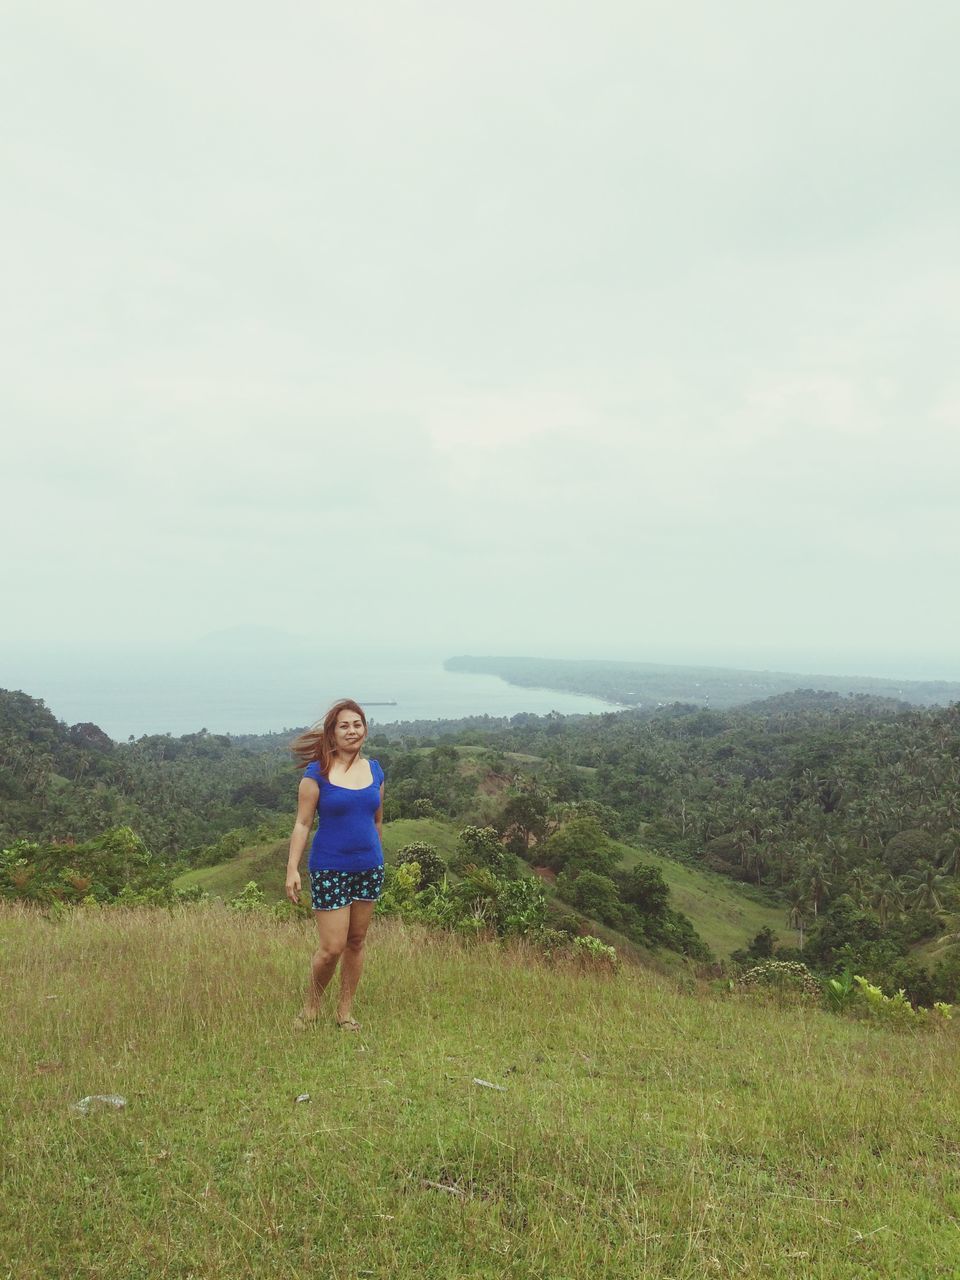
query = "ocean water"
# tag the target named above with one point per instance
(262, 692)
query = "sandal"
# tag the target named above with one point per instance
(303, 1023)
(348, 1024)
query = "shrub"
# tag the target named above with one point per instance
(562, 920)
(592, 951)
(400, 884)
(480, 847)
(192, 893)
(250, 898)
(840, 992)
(551, 941)
(895, 1010)
(784, 977)
(286, 911)
(645, 888)
(522, 906)
(904, 850)
(677, 932)
(427, 856)
(593, 894)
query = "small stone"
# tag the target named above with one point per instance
(114, 1100)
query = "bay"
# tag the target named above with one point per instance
(265, 691)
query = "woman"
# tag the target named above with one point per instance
(346, 857)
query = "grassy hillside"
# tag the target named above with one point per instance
(725, 914)
(635, 1130)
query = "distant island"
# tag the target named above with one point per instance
(648, 684)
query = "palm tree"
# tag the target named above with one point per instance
(797, 903)
(923, 885)
(950, 860)
(838, 848)
(886, 896)
(859, 881)
(817, 882)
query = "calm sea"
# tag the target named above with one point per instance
(263, 692)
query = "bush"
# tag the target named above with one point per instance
(593, 894)
(400, 885)
(523, 906)
(784, 977)
(597, 954)
(581, 844)
(480, 847)
(427, 856)
(562, 920)
(895, 1010)
(250, 898)
(903, 851)
(840, 992)
(645, 888)
(678, 933)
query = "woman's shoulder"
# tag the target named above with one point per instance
(313, 771)
(377, 770)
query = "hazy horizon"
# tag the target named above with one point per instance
(58, 655)
(263, 690)
(619, 330)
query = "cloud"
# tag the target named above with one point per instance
(544, 322)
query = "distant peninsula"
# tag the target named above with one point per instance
(648, 684)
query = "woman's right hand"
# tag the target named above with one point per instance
(293, 887)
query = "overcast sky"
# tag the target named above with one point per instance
(602, 328)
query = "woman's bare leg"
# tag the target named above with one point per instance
(332, 928)
(352, 964)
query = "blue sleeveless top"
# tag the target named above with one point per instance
(346, 837)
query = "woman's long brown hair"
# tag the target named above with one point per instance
(318, 742)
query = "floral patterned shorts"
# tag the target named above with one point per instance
(332, 889)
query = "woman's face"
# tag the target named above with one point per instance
(349, 732)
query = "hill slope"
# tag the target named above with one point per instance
(726, 915)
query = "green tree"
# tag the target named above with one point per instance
(525, 815)
(580, 843)
(644, 887)
(593, 894)
(480, 847)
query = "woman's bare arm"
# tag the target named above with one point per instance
(307, 796)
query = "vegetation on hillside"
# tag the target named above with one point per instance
(845, 811)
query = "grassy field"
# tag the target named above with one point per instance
(637, 1130)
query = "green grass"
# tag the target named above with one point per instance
(642, 1131)
(404, 831)
(265, 863)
